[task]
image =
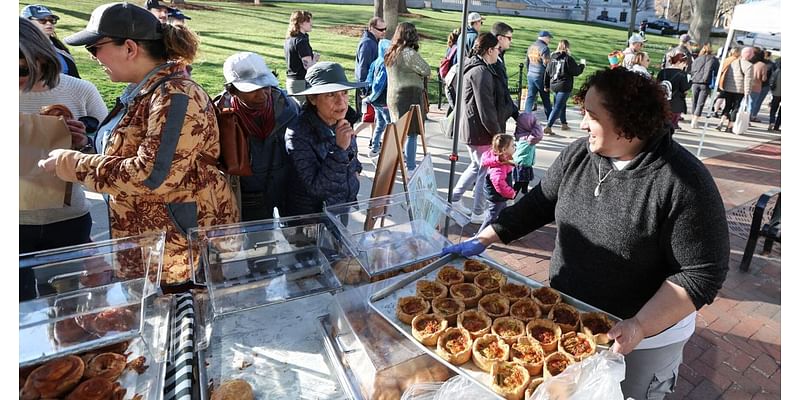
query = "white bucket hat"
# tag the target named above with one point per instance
(247, 72)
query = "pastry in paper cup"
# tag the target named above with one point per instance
(411, 306)
(466, 292)
(577, 345)
(449, 275)
(556, 363)
(510, 380)
(545, 332)
(508, 328)
(488, 349)
(566, 316)
(490, 281)
(427, 327)
(476, 322)
(495, 305)
(238, 389)
(515, 292)
(448, 309)
(472, 268)
(525, 310)
(454, 345)
(528, 353)
(532, 387)
(596, 325)
(430, 290)
(546, 298)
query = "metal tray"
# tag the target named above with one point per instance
(384, 303)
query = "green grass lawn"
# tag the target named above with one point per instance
(228, 27)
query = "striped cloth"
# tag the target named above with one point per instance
(178, 380)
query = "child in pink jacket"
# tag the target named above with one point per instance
(498, 186)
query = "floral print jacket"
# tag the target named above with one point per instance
(156, 170)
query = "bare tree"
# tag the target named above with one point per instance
(390, 16)
(402, 8)
(378, 8)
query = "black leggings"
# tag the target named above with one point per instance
(732, 102)
(58, 234)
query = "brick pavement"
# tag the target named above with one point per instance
(735, 352)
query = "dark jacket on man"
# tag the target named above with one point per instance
(486, 103)
(366, 53)
(556, 81)
(472, 35)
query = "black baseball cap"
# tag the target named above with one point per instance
(118, 20)
(155, 4)
(37, 11)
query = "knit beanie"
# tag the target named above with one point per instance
(528, 128)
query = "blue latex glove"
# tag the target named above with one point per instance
(470, 248)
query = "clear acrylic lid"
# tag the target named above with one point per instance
(78, 298)
(259, 263)
(392, 232)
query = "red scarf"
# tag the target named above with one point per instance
(258, 122)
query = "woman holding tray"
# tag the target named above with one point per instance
(642, 232)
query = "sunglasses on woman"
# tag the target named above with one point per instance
(95, 47)
(44, 21)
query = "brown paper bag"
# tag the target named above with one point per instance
(38, 135)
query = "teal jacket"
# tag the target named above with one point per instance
(525, 155)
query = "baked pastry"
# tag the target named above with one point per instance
(577, 345)
(508, 328)
(525, 310)
(472, 268)
(556, 363)
(528, 353)
(566, 316)
(138, 364)
(510, 380)
(235, 389)
(494, 305)
(57, 110)
(53, 379)
(430, 290)
(476, 322)
(490, 281)
(449, 275)
(515, 292)
(427, 327)
(447, 309)
(411, 306)
(532, 387)
(67, 332)
(93, 389)
(545, 297)
(545, 332)
(488, 349)
(113, 320)
(454, 345)
(466, 292)
(106, 365)
(596, 325)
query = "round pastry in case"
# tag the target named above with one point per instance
(488, 349)
(476, 322)
(53, 379)
(466, 292)
(508, 328)
(515, 292)
(495, 305)
(472, 268)
(596, 325)
(510, 380)
(545, 332)
(427, 327)
(528, 353)
(454, 346)
(566, 316)
(490, 281)
(430, 290)
(525, 310)
(448, 309)
(556, 363)
(234, 389)
(410, 306)
(577, 345)
(449, 275)
(546, 298)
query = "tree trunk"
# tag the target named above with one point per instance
(702, 20)
(586, 10)
(390, 16)
(378, 12)
(632, 22)
(402, 8)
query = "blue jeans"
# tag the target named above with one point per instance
(756, 98)
(559, 109)
(536, 87)
(411, 151)
(382, 118)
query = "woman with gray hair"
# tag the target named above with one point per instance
(41, 85)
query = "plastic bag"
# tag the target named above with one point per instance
(742, 117)
(595, 378)
(457, 387)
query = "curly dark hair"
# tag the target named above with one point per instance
(637, 105)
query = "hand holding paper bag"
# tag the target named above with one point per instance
(38, 136)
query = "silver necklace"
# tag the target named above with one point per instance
(600, 180)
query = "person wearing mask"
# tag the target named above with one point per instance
(378, 81)
(704, 71)
(635, 45)
(46, 21)
(736, 82)
(159, 10)
(264, 111)
(642, 232)
(488, 107)
(475, 22)
(536, 61)
(406, 74)
(679, 83)
(684, 44)
(760, 83)
(559, 77)
(298, 53)
(157, 150)
(641, 61)
(366, 52)
(322, 145)
(41, 85)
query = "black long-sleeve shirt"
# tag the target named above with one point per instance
(660, 218)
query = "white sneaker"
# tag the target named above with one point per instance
(373, 153)
(478, 218)
(459, 205)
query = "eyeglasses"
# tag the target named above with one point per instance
(44, 21)
(24, 71)
(95, 47)
(380, 29)
(507, 37)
